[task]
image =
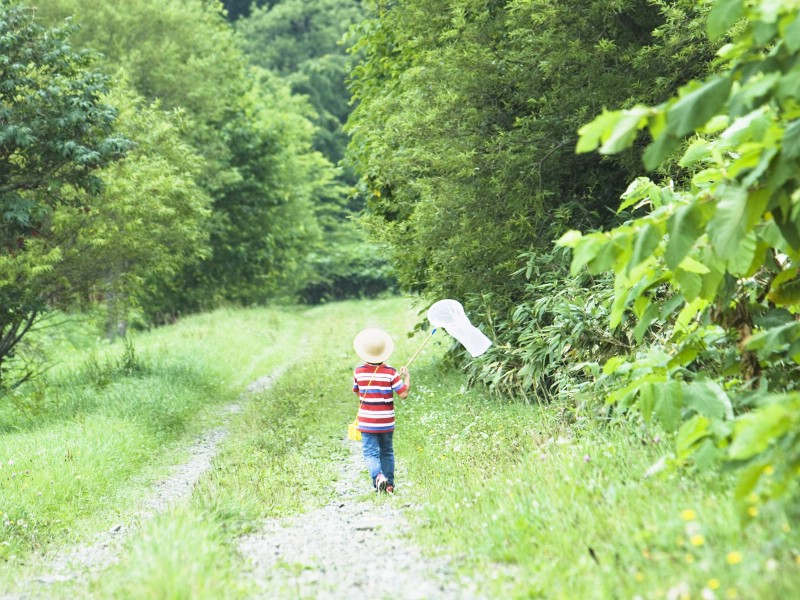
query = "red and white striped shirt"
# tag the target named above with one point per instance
(375, 385)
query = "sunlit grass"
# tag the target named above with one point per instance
(530, 501)
(569, 511)
(179, 554)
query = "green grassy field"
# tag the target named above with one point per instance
(543, 503)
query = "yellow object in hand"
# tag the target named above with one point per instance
(352, 431)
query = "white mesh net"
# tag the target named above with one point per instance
(450, 315)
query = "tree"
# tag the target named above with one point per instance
(301, 41)
(185, 56)
(148, 222)
(56, 133)
(465, 124)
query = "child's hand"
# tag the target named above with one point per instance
(403, 372)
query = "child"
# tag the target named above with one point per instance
(375, 382)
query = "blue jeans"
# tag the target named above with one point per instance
(379, 454)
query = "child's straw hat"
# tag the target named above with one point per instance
(373, 345)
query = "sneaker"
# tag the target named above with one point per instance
(390, 489)
(381, 482)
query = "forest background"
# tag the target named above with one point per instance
(173, 157)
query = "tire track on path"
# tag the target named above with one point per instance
(85, 561)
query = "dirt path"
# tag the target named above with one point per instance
(355, 546)
(86, 561)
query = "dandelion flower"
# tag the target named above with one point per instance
(769, 470)
(752, 511)
(697, 540)
(688, 515)
(689, 558)
(639, 576)
(734, 557)
(713, 583)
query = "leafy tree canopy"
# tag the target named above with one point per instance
(57, 133)
(465, 125)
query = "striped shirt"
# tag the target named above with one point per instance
(375, 385)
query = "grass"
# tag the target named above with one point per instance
(531, 501)
(569, 511)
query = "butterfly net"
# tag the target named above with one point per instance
(449, 314)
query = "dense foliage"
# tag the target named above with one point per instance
(465, 138)
(57, 132)
(714, 262)
(222, 197)
(301, 42)
(253, 135)
(466, 122)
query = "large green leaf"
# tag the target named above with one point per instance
(740, 262)
(727, 228)
(689, 434)
(723, 16)
(684, 228)
(590, 135)
(624, 130)
(755, 431)
(698, 105)
(584, 250)
(791, 140)
(707, 398)
(646, 241)
(668, 404)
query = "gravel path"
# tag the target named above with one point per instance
(355, 546)
(86, 561)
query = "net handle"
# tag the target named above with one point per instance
(408, 364)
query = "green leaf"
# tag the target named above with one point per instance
(570, 239)
(639, 189)
(684, 229)
(723, 16)
(590, 135)
(747, 480)
(650, 315)
(646, 241)
(727, 228)
(668, 403)
(689, 434)
(696, 107)
(697, 150)
(624, 130)
(585, 249)
(754, 432)
(689, 312)
(785, 289)
(791, 140)
(689, 284)
(791, 36)
(740, 261)
(692, 266)
(660, 150)
(707, 398)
